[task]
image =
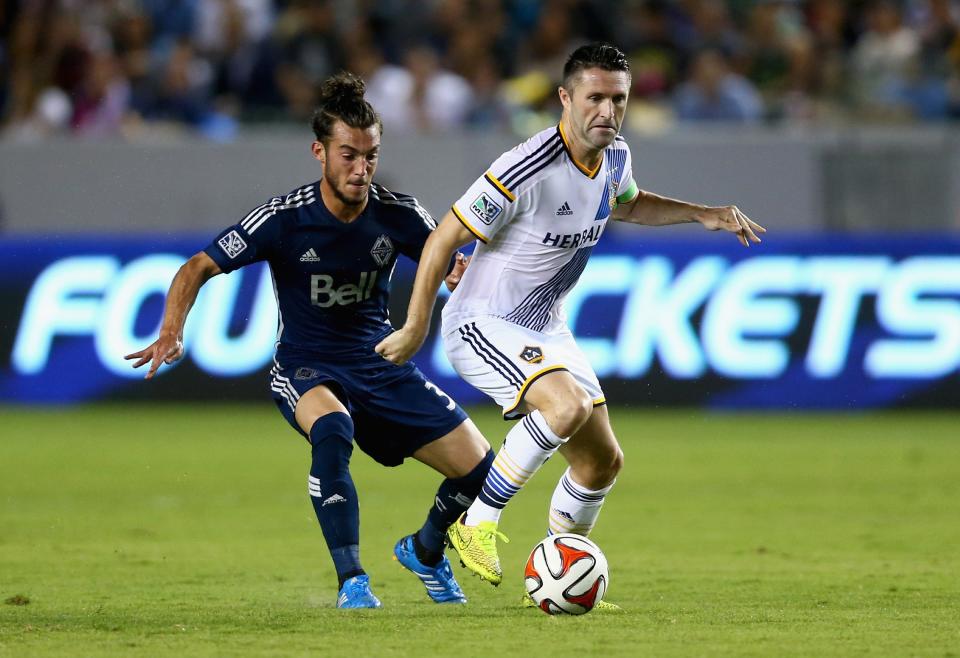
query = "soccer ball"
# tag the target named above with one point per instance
(566, 574)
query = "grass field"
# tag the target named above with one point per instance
(167, 530)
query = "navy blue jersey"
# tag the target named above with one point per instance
(332, 278)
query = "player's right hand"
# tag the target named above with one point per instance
(163, 350)
(400, 346)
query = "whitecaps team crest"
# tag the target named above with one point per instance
(382, 250)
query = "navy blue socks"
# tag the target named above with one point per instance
(453, 498)
(333, 494)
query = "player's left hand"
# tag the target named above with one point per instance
(459, 267)
(731, 219)
(400, 346)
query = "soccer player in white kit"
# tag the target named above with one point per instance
(537, 213)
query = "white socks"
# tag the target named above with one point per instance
(574, 508)
(527, 446)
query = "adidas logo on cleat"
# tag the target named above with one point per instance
(564, 209)
(310, 256)
(335, 498)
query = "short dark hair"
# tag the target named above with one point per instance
(595, 55)
(341, 99)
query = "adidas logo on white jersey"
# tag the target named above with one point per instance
(335, 498)
(310, 256)
(564, 209)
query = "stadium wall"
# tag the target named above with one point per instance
(864, 179)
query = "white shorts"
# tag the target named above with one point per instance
(502, 359)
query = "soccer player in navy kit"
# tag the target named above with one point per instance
(331, 247)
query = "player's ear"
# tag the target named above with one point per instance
(564, 96)
(319, 153)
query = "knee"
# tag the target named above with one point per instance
(570, 413)
(331, 440)
(600, 469)
(335, 425)
(616, 463)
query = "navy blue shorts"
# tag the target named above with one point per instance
(395, 409)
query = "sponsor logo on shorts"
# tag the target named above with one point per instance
(485, 208)
(232, 244)
(532, 354)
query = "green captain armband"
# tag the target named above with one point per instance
(630, 194)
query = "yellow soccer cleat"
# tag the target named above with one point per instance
(600, 606)
(477, 548)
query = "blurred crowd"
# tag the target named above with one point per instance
(127, 67)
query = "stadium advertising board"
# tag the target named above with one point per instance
(803, 322)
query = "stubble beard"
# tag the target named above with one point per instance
(345, 200)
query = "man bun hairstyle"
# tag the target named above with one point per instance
(594, 56)
(341, 99)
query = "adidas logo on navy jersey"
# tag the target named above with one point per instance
(564, 209)
(310, 256)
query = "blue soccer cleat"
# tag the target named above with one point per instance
(356, 593)
(441, 586)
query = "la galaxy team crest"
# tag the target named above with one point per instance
(532, 354)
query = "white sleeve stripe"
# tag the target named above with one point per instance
(276, 203)
(258, 210)
(304, 201)
(404, 200)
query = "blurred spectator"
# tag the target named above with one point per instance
(548, 45)
(228, 34)
(96, 67)
(713, 29)
(102, 101)
(883, 60)
(310, 51)
(778, 57)
(833, 35)
(656, 61)
(715, 93)
(420, 96)
(489, 109)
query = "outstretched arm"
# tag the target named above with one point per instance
(449, 236)
(180, 298)
(653, 210)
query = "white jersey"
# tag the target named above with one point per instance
(537, 214)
